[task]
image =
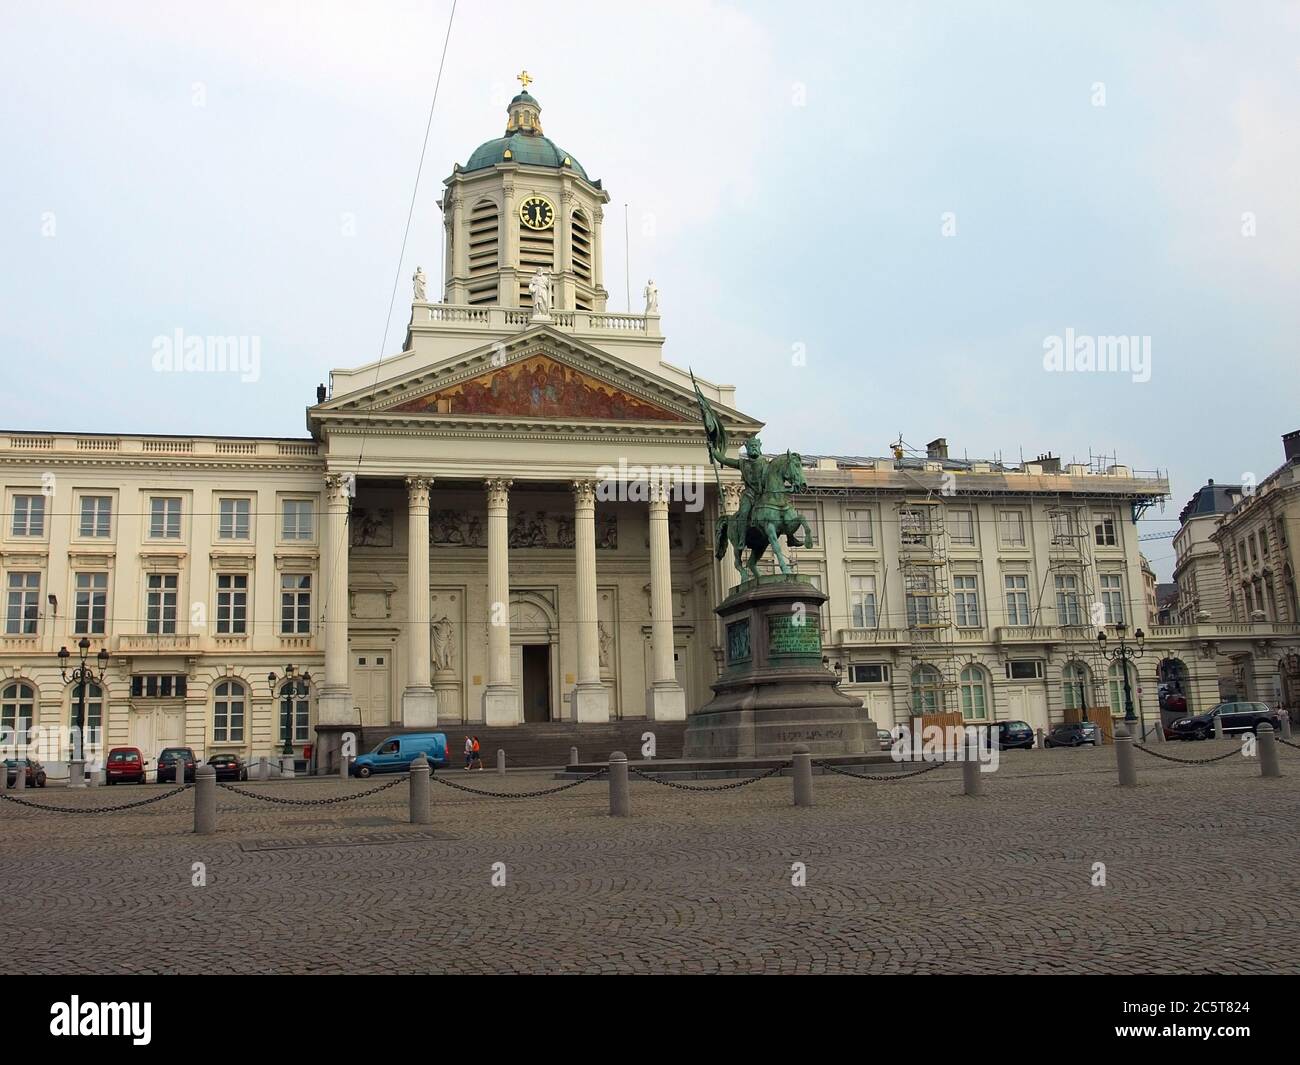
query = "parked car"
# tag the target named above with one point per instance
(1236, 716)
(1012, 735)
(125, 765)
(229, 767)
(886, 739)
(167, 762)
(35, 772)
(1073, 734)
(396, 754)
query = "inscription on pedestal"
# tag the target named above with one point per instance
(788, 634)
(738, 642)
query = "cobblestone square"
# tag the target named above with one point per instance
(1201, 865)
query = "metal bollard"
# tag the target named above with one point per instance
(20, 775)
(620, 799)
(1039, 742)
(205, 800)
(801, 764)
(263, 769)
(1286, 725)
(1268, 766)
(345, 763)
(970, 771)
(573, 756)
(501, 762)
(94, 777)
(1159, 731)
(420, 812)
(1218, 726)
(1124, 758)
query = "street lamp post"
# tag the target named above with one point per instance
(1123, 654)
(295, 684)
(1076, 661)
(83, 676)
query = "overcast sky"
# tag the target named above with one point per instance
(916, 197)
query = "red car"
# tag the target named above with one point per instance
(125, 764)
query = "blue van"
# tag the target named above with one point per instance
(396, 754)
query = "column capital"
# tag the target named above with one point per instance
(584, 494)
(659, 491)
(417, 490)
(339, 487)
(731, 497)
(498, 491)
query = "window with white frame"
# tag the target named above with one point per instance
(1103, 529)
(228, 712)
(810, 516)
(90, 605)
(857, 526)
(233, 519)
(1075, 685)
(28, 516)
(1067, 599)
(927, 690)
(94, 722)
(232, 604)
(1062, 522)
(919, 595)
(868, 673)
(1115, 677)
(1017, 590)
(17, 707)
(298, 519)
(961, 527)
(974, 694)
(96, 517)
(295, 707)
(966, 600)
(1025, 669)
(1011, 528)
(914, 526)
(160, 603)
(24, 604)
(165, 518)
(862, 601)
(1112, 598)
(295, 604)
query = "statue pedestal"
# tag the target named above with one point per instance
(774, 691)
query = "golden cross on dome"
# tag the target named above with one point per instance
(525, 79)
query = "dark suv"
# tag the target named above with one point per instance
(1011, 735)
(168, 760)
(1237, 717)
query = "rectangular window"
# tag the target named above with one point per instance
(232, 604)
(857, 526)
(160, 604)
(810, 516)
(233, 519)
(299, 520)
(228, 714)
(1103, 530)
(24, 604)
(961, 527)
(91, 606)
(914, 527)
(967, 601)
(1011, 528)
(869, 673)
(96, 516)
(1017, 589)
(1067, 600)
(158, 686)
(1112, 598)
(919, 589)
(1025, 669)
(295, 604)
(29, 516)
(1062, 523)
(165, 518)
(862, 602)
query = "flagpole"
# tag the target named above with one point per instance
(716, 473)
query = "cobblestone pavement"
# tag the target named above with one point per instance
(1201, 863)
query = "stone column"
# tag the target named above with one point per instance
(665, 701)
(590, 696)
(458, 247)
(334, 703)
(501, 701)
(419, 708)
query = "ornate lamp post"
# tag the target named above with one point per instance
(295, 684)
(83, 676)
(1123, 654)
(1076, 660)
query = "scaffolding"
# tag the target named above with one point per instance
(1070, 581)
(923, 565)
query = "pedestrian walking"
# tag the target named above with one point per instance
(469, 753)
(478, 756)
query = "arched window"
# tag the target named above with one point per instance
(1116, 678)
(1076, 686)
(228, 712)
(17, 705)
(926, 692)
(92, 727)
(295, 711)
(974, 694)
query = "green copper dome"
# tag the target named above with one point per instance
(529, 150)
(523, 141)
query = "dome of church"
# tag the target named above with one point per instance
(523, 142)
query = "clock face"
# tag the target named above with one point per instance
(536, 212)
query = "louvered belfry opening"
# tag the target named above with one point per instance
(484, 256)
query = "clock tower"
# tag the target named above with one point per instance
(522, 203)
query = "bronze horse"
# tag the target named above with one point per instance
(770, 518)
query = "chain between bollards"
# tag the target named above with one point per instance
(420, 812)
(205, 800)
(802, 774)
(1124, 758)
(620, 799)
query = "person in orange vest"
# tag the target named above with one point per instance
(478, 756)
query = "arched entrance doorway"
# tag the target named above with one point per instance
(534, 656)
(1174, 687)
